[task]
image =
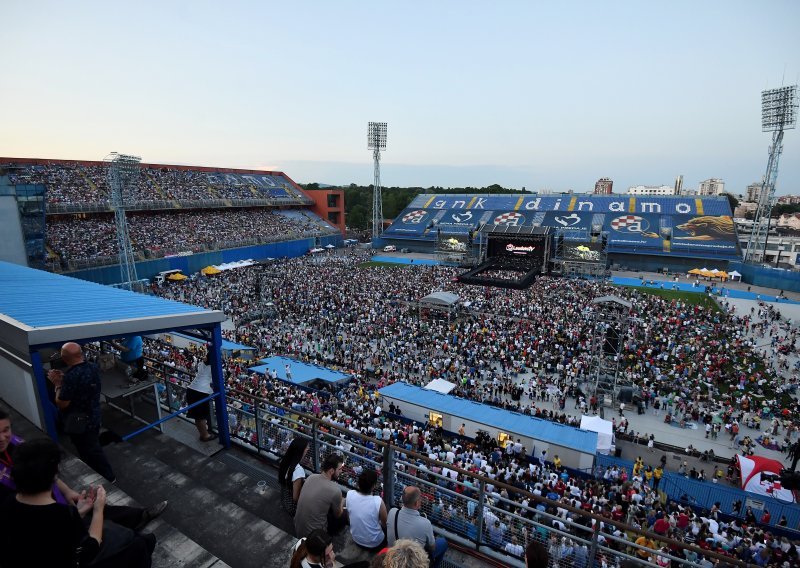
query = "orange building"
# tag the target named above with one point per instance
(329, 204)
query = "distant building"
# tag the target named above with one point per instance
(679, 185)
(790, 221)
(744, 209)
(711, 186)
(651, 190)
(753, 191)
(789, 199)
(604, 186)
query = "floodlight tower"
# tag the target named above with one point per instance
(122, 173)
(376, 141)
(778, 113)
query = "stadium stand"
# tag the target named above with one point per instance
(172, 210)
(665, 227)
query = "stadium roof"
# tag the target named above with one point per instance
(504, 420)
(39, 308)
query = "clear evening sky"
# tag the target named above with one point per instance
(545, 95)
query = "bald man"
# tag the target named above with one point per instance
(77, 392)
(408, 523)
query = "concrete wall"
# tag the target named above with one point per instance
(12, 247)
(17, 389)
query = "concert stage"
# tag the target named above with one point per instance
(514, 256)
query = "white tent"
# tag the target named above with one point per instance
(236, 264)
(330, 247)
(440, 385)
(735, 275)
(604, 429)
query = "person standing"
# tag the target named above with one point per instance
(199, 389)
(321, 505)
(131, 354)
(77, 396)
(408, 523)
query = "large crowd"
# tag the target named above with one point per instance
(94, 239)
(690, 362)
(79, 183)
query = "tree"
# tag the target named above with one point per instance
(732, 200)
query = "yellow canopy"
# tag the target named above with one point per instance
(695, 271)
(177, 277)
(722, 274)
(209, 270)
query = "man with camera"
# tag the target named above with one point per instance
(77, 396)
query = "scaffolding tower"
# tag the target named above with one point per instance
(581, 254)
(376, 141)
(123, 172)
(778, 113)
(610, 319)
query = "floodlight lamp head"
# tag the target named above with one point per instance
(779, 109)
(376, 136)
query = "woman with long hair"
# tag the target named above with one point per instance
(291, 474)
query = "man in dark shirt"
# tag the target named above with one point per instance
(78, 391)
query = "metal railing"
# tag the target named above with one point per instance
(495, 518)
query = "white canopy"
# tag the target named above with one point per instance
(330, 247)
(734, 274)
(604, 429)
(315, 250)
(440, 385)
(236, 264)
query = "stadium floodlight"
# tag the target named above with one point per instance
(778, 113)
(779, 109)
(376, 141)
(122, 174)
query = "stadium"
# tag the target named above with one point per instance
(475, 391)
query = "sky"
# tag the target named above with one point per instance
(540, 95)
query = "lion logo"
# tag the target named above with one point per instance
(707, 228)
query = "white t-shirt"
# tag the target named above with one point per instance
(202, 380)
(298, 473)
(364, 513)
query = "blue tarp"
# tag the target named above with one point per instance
(301, 372)
(504, 420)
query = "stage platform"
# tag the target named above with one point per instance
(302, 373)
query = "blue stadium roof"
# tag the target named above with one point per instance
(504, 420)
(38, 308)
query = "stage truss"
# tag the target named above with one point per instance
(610, 319)
(581, 254)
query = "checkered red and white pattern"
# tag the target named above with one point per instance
(509, 218)
(620, 223)
(415, 216)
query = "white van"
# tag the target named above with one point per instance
(389, 248)
(161, 277)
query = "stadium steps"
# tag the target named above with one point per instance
(157, 186)
(173, 547)
(234, 506)
(86, 178)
